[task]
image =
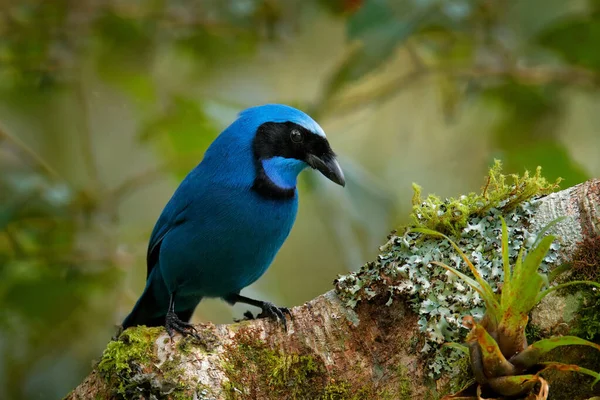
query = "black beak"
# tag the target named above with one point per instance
(328, 166)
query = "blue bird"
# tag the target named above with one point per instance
(227, 220)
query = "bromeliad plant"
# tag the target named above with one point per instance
(502, 362)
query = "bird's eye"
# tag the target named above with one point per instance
(296, 136)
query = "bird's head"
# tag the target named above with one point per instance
(282, 141)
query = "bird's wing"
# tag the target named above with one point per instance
(172, 215)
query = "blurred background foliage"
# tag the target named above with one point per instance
(106, 104)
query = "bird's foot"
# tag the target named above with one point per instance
(174, 324)
(270, 310)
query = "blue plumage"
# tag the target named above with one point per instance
(229, 217)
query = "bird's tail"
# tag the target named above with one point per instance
(152, 306)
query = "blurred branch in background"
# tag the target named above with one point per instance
(105, 105)
(525, 76)
(28, 152)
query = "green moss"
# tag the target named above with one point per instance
(185, 345)
(533, 333)
(450, 216)
(131, 370)
(125, 357)
(171, 369)
(207, 341)
(587, 323)
(404, 391)
(205, 393)
(341, 390)
(256, 371)
(462, 375)
(400, 389)
(369, 391)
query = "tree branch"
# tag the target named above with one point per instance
(329, 351)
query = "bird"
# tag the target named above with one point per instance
(224, 224)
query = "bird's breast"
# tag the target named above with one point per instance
(232, 243)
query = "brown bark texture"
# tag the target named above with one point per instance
(329, 351)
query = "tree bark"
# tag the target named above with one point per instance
(329, 351)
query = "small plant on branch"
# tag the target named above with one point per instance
(502, 362)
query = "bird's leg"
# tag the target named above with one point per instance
(174, 324)
(269, 310)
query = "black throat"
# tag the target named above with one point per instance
(264, 186)
(270, 141)
(274, 139)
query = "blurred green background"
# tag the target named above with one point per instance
(106, 104)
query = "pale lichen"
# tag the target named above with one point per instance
(404, 266)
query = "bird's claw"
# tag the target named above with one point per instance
(174, 324)
(270, 310)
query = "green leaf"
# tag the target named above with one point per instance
(572, 368)
(513, 385)
(494, 362)
(457, 346)
(546, 292)
(557, 271)
(575, 40)
(532, 354)
(369, 17)
(380, 31)
(508, 290)
(521, 297)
